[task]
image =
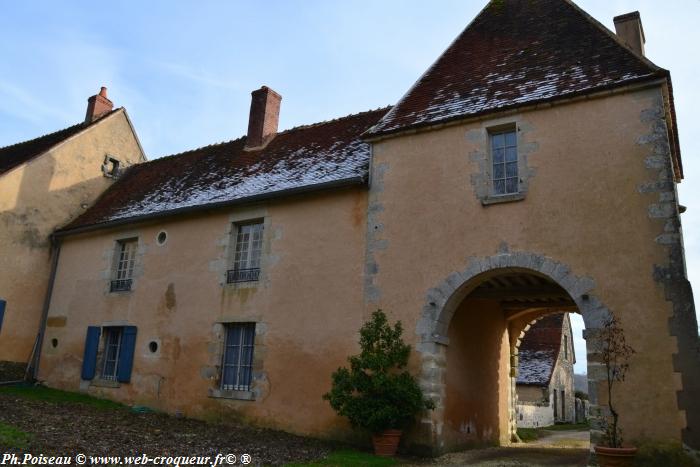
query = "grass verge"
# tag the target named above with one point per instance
(528, 434)
(43, 393)
(12, 437)
(349, 458)
(567, 427)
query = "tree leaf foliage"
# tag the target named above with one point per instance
(377, 392)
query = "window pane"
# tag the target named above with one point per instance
(498, 141)
(511, 154)
(238, 357)
(498, 155)
(512, 169)
(512, 185)
(499, 187)
(126, 259)
(498, 171)
(510, 138)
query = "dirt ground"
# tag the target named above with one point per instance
(67, 428)
(554, 448)
(66, 424)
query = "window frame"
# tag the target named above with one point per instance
(485, 188)
(493, 135)
(252, 248)
(123, 268)
(241, 382)
(111, 333)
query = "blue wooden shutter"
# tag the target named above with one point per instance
(2, 311)
(92, 341)
(126, 354)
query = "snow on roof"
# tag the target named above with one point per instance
(301, 157)
(539, 350)
(516, 53)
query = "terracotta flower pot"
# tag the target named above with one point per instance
(615, 457)
(386, 443)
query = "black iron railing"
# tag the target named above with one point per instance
(120, 285)
(242, 275)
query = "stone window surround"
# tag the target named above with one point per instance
(110, 258)
(227, 243)
(482, 180)
(259, 377)
(111, 167)
(98, 381)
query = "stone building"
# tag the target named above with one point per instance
(531, 169)
(45, 183)
(545, 379)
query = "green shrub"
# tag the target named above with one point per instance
(377, 393)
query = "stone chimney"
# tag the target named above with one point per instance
(98, 105)
(629, 28)
(264, 117)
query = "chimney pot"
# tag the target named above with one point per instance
(629, 29)
(98, 105)
(264, 117)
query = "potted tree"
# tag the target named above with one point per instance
(615, 354)
(377, 393)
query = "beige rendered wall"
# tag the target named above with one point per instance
(36, 198)
(584, 208)
(308, 308)
(478, 382)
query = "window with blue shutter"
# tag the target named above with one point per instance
(237, 364)
(126, 357)
(3, 303)
(111, 353)
(92, 342)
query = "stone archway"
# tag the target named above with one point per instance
(443, 300)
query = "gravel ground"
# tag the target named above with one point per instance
(511, 457)
(66, 428)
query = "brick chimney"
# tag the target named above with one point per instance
(264, 117)
(629, 28)
(98, 105)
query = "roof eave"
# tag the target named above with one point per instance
(335, 184)
(636, 83)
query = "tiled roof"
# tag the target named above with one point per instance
(516, 53)
(538, 351)
(17, 154)
(305, 157)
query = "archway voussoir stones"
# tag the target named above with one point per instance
(442, 300)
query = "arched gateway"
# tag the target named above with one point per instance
(467, 361)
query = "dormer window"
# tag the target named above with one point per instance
(111, 167)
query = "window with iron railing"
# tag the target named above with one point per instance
(237, 360)
(246, 262)
(124, 267)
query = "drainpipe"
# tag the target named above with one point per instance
(36, 358)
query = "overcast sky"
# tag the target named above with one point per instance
(184, 70)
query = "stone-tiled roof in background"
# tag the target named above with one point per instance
(518, 53)
(538, 351)
(17, 154)
(300, 158)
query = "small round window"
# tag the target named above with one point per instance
(153, 346)
(162, 238)
(54, 342)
